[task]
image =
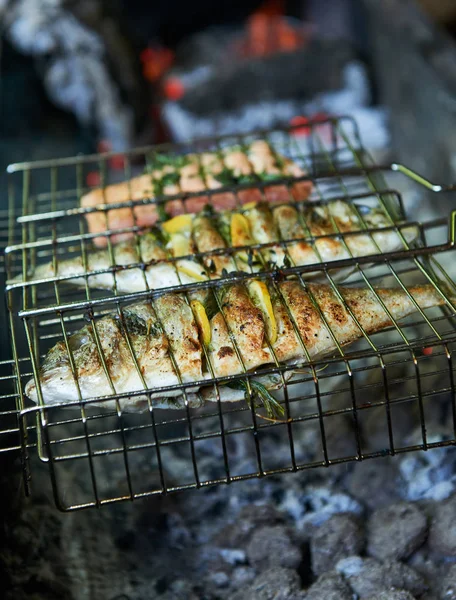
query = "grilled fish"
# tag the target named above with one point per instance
(171, 175)
(208, 233)
(166, 341)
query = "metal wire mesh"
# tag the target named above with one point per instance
(124, 455)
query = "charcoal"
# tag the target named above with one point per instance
(242, 576)
(270, 546)
(442, 534)
(336, 538)
(393, 595)
(276, 583)
(330, 586)
(374, 482)
(448, 585)
(396, 531)
(368, 576)
(237, 534)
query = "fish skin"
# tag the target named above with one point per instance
(283, 222)
(295, 312)
(258, 158)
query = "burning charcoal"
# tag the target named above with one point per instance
(330, 586)
(271, 546)
(368, 576)
(374, 482)
(396, 531)
(237, 534)
(393, 595)
(338, 537)
(273, 584)
(442, 534)
(448, 586)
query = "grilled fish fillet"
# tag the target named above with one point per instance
(210, 233)
(159, 343)
(195, 173)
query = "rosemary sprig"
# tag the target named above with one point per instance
(272, 407)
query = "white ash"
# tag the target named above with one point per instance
(316, 504)
(233, 557)
(429, 475)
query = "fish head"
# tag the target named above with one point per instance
(74, 371)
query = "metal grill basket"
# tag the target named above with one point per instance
(123, 455)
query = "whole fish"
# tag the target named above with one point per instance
(164, 257)
(166, 341)
(192, 173)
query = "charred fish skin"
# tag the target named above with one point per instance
(159, 344)
(324, 234)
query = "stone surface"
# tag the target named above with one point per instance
(374, 482)
(276, 583)
(448, 584)
(272, 546)
(368, 576)
(393, 595)
(442, 534)
(396, 531)
(330, 586)
(336, 538)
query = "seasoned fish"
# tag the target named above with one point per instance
(193, 173)
(165, 342)
(209, 233)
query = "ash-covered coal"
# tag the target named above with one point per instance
(355, 530)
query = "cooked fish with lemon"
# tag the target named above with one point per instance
(169, 341)
(192, 248)
(172, 174)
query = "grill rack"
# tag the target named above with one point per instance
(69, 439)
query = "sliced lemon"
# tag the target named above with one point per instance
(202, 321)
(249, 205)
(259, 293)
(240, 230)
(180, 244)
(179, 224)
(192, 269)
(240, 234)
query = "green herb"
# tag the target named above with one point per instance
(208, 211)
(161, 160)
(226, 176)
(159, 235)
(162, 214)
(224, 229)
(270, 176)
(272, 407)
(172, 178)
(242, 179)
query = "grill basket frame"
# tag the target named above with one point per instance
(140, 447)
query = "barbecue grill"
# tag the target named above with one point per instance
(126, 455)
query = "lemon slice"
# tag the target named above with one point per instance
(202, 321)
(179, 224)
(249, 205)
(191, 269)
(260, 296)
(180, 244)
(240, 234)
(240, 230)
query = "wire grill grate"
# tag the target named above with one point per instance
(123, 455)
